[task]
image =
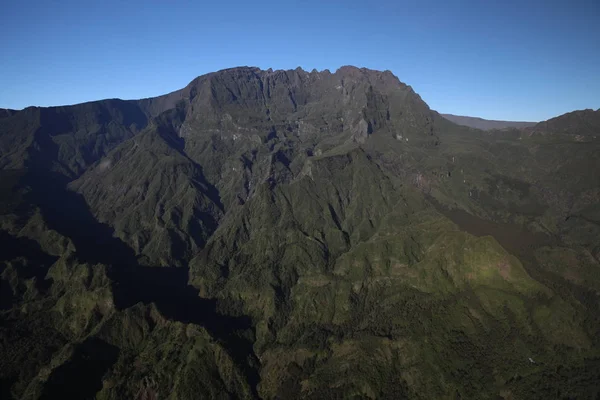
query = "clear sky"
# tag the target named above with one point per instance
(513, 60)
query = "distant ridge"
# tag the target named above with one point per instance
(486, 124)
(6, 112)
(578, 122)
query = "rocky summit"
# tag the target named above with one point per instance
(296, 235)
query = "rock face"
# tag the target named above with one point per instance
(292, 234)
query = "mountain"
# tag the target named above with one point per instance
(582, 122)
(5, 112)
(485, 124)
(294, 234)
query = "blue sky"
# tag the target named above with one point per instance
(514, 60)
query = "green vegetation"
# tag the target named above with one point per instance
(285, 234)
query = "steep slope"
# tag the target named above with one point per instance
(333, 237)
(238, 128)
(485, 124)
(78, 312)
(238, 115)
(325, 264)
(581, 122)
(154, 196)
(67, 139)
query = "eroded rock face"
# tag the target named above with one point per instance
(294, 234)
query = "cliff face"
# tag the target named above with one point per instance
(293, 234)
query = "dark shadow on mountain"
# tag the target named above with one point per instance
(514, 238)
(62, 119)
(94, 128)
(67, 213)
(522, 243)
(5, 385)
(81, 376)
(11, 192)
(32, 263)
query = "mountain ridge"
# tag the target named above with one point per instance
(486, 124)
(293, 234)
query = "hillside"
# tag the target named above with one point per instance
(581, 122)
(485, 124)
(293, 234)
